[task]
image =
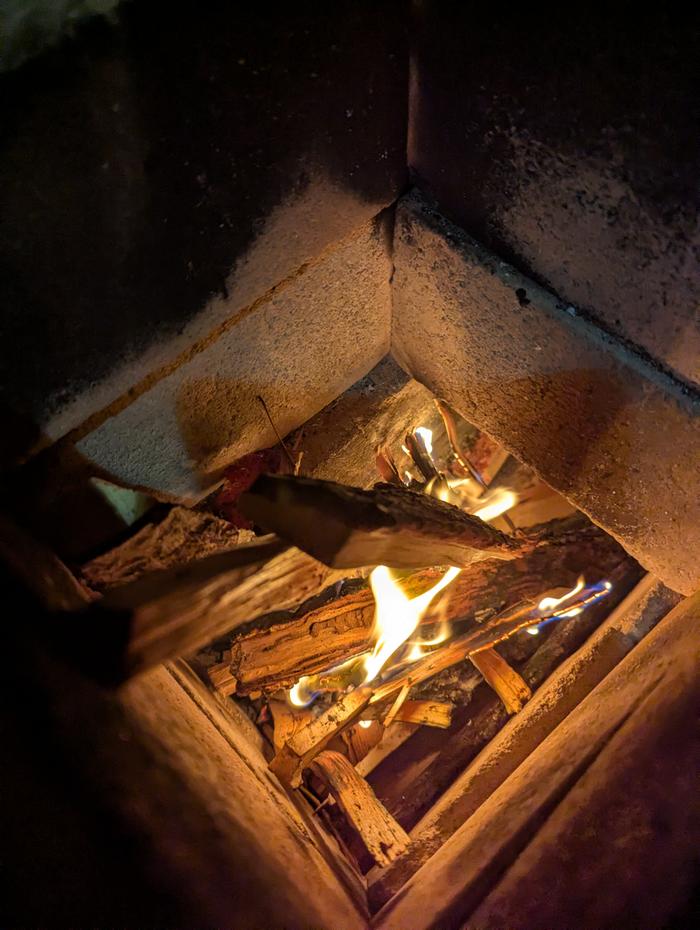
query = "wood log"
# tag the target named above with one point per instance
(432, 759)
(279, 650)
(561, 693)
(424, 712)
(384, 838)
(298, 752)
(183, 536)
(175, 612)
(348, 527)
(505, 681)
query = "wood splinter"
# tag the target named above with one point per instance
(384, 838)
(511, 688)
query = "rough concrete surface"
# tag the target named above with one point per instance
(612, 434)
(571, 149)
(340, 442)
(299, 350)
(163, 167)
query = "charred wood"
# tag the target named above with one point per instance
(349, 527)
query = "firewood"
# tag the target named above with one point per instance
(348, 527)
(175, 612)
(397, 705)
(505, 681)
(298, 752)
(183, 536)
(275, 654)
(269, 658)
(421, 459)
(440, 756)
(426, 713)
(287, 721)
(221, 678)
(384, 838)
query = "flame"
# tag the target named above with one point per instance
(555, 608)
(496, 503)
(427, 436)
(396, 616)
(300, 695)
(549, 604)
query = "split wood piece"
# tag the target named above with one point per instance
(221, 678)
(299, 752)
(421, 458)
(183, 536)
(175, 612)
(273, 657)
(424, 712)
(287, 721)
(439, 757)
(383, 837)
(397, 705)
(572, 786)
(505, 681)
(349, 527)
(39, 569)
(576, 677)
(277, 652)
(386, 466)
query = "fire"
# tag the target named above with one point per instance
(427, 436)
(495, 503)
(396, 616)
(300, 695)
(561, 608)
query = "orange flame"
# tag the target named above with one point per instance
(396, 616)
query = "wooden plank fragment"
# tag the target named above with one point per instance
(505, 681)
(383, 837)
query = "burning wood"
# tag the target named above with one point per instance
(384, 838)
(505, 681)
(298, 752)
(348, 527)
(274, 654)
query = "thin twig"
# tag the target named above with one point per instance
(281, 441)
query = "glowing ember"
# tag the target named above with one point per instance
(396, 616)
(365, 724)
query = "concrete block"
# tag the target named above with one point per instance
(165, 168)
(299, 349)
(563, 140)
(615, 436)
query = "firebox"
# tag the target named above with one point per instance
(350, 524)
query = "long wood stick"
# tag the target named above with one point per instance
(349, 527)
